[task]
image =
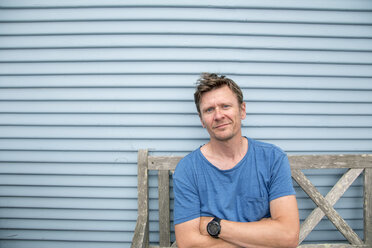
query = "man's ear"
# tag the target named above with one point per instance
(243, 112)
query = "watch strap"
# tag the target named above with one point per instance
(218, 220)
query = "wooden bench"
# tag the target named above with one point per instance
(356, 164)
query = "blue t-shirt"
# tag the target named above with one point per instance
(241, 194)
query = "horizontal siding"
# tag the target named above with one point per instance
(182, 81)
(185, 27)
(200, 41)
(276, 69)
(251, 14)
(156, 94)
(171, 107)
(176, 120)
(125, 133)
(272, 4)
(120, 150)
(182, 55)
(85, 84)
(118, 153)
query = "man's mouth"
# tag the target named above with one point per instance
(221, 125)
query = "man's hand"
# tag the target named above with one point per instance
(188, 234)
(281, 230)
(204, 220)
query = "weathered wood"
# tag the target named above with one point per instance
(333, 246)
(156, 246)
(352, 161)
(327, 208)
(164, 219)
(140, 238)
(332, 197)
(142, 179)
(143, 202)
(368, 206)
(163, 162)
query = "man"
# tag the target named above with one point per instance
(232, 191)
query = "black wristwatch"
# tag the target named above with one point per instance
(214, 227)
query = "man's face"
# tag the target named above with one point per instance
(221, 114)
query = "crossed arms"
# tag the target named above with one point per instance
(281, 230)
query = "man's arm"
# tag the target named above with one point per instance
(281, 230)
(188, 235)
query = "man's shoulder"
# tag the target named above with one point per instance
(187, 162)
(265, 147)
(190, 156)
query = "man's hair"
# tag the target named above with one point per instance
(211, 81)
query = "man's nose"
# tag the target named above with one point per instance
(217, 113)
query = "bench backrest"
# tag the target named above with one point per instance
(356, 164)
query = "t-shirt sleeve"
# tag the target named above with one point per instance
(186, 196)
(281, 180)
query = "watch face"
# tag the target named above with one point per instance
(214, 228)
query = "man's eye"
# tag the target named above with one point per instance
(226, 106)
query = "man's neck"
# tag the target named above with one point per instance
(226, 154)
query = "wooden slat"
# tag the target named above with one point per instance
(156, 246)
(333, 246)
(303, 246)
(143, 193)
(163, 162)
(327, 208)
(354, 161)
(140, 238)
(368, 207)
(332, 197)
(164, 218)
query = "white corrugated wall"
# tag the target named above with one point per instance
(85, 84)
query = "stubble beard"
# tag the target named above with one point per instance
(220, 136)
